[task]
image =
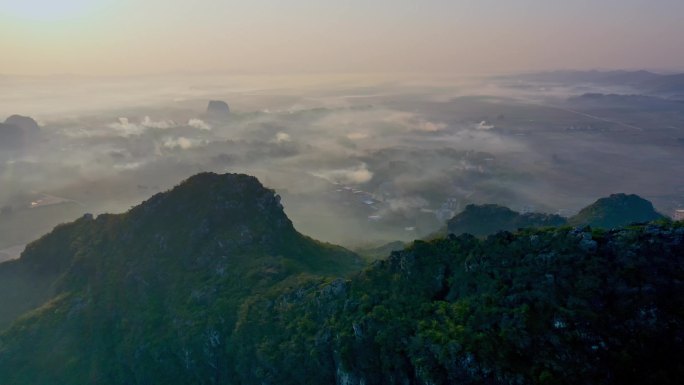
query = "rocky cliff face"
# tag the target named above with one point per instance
(153, 295)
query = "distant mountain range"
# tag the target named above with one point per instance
(210, 283)
(617, 77)
(614, 211)
(666, 84)
(642, 81)
(597, 101)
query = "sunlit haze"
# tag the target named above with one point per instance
(106, 37)
(356, 192)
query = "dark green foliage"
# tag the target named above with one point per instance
(153, 295)
(613, 211)
(551, 306)
(483, 220)
(211, 284)
(616, 210)
(27, 283)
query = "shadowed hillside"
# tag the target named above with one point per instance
(153, 295)
(209, 283)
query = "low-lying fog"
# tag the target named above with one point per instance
(356, 160)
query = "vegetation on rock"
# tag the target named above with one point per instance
(482, 220)
(210, 283)
(616, 210)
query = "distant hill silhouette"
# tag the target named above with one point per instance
(481, 220)
(217, 109)
(597, 101)
(616, 210)
(613, 211)
(26, 123)
(643, 81)
(15, 131)
(618, 77)
(666, 84)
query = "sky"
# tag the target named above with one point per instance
(468, 37)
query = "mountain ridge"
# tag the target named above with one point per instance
(210, 283)
(614, 210)
(645, 81)
(202, 224)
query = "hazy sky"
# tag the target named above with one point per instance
(123, 37)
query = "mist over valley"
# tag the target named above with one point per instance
(356, 161)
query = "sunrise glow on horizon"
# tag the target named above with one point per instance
(105, 37)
